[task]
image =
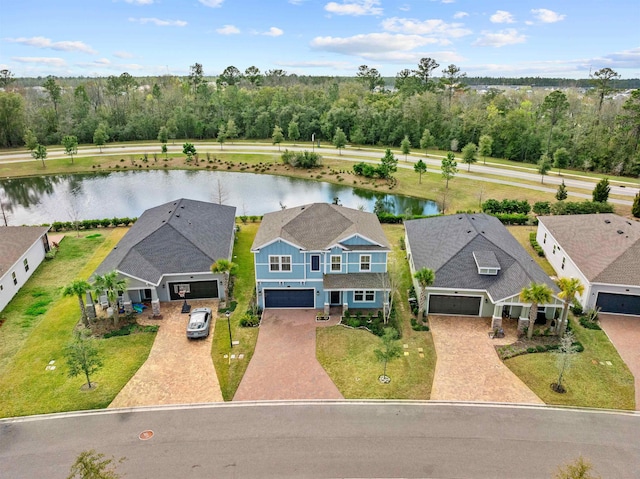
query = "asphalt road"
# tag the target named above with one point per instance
(342, 439)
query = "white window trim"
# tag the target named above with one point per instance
(280, 263)
(364, 293)
(311, 263)
(332, 263)
(368, 262)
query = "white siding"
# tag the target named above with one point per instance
(34, 256)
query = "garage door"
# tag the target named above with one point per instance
(197, 290)
(462, 305)
(618, 303)
(289, 298)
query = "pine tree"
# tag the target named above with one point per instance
(561, 194)
(601, 191)
(635, 209)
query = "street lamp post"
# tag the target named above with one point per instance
(228, 315)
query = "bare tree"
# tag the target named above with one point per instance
(390, 282)
(221, 194)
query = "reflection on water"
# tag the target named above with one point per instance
(105, 195)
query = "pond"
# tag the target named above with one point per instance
(127, 194)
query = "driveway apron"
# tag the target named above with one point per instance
(284, 364)
(178, 370)
(624, 333)
(468, 367)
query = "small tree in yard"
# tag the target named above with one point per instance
(226, 268)
(40, 153)
(569, 288)
(406, 146)
(93, 465)
(544, 165)
(190, 150)
(635, 209)
(564, 358)
(420, 167)
(469, 154)
(70, 143)
(426, 141)
(600, 193)
(449, 167)
(425, 278)
(391, 350)
(484, 147)
(78, 288)
(83, 357)
(561, 158)
(339, 140)
(578, 469)
(388, 165)
(561, 194)
(277, 136)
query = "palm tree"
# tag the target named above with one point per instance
(536, 293)
(569, 288)
(425, 277)
(227, 268)
(110, 284)
(78, 288)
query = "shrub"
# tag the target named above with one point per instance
(542, 208)
(580, 208)
(249, 321)
(416, 326)
(507, 206)
(535, 245)
(512, 218)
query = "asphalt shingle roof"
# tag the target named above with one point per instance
(447, 244)
(15, 241)
(352, 281)
(605, 247)
(318, 226)
(182, 236)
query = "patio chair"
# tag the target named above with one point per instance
(104, 301)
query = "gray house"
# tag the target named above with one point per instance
(170, 249)
(480, 267)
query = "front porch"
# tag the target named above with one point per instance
(514, 308)
(359, 291)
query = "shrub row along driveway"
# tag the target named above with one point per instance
(468, 367)
(284, 365)
(178, 370)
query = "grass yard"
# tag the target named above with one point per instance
(348, 354)
(521, 233)
(588, 383)
(28, 345)
(230, 372)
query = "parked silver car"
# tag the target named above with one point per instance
(199, 323)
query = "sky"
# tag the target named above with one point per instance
(501, 38)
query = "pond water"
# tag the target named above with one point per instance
(120, 194)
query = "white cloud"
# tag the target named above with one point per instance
(460, 15)
(49, 61)
(318, 64)
(297, 2)
(502, 16)
(425, 27)
(159, 23)
(510, 36)
(547, 16)
(404, 7)
(623, 59)
(211, 3)
(448, 1)
(122, 54)
(228, 30)
(273, 32)
(140, 2)
(43, 42)
(354, 7)
(105, 64)
(370, 44)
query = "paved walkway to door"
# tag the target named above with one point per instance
(624, 333)
(468, 367)
(284, 365)
(178, 370)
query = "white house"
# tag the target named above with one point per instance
(22, 249)
(602, 251)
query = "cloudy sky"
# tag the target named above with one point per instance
(564, 38)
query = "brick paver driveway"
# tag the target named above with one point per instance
(284, 365)
(624, 333)
(178, 370)
(468, 367)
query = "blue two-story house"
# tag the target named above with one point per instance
(320, 256)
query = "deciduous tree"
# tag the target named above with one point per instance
(554, 106)
(469, 152)
(484, 147)
(93, 465)
(83, 357)
(293, 131)
(390, 351)
(222, 135)
(70, 143)
(635, 209)
(232, 129)
(544, 165)
(405, 146)
(277, 136)
(100, 136)
(339, 140)
(426, 141)
(189, 149)
(560, 158)
(420, 167)
(40, 153)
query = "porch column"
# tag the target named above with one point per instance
(90, 307)
(155, 302)
(126, 303)
(496, 319)
(523, 320)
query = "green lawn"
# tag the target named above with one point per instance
(29, 345)
(588, 383)
(521, 233)
(230, 372)
(348, 355)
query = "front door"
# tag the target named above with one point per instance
(335, 297)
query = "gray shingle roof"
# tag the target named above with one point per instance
(605, 247)
(352, 281)
(182, 236)
(446, 244)
(318, 226)
(15, 241)
(486, 259)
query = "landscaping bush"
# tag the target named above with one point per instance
(249, 321)
(511, 218)
(507, 206)
(416, 326)
(586, 323)
(542, 208)
(580, 208)
(535, 245)
(301, 159)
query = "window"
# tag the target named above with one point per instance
(26, 265)
(365, 262)
(544, 240)
(563, 260)
(364, 296)
(336, 263)
(315, 262)
(13, 277)
(279, 263)
(1, 287)
(554, 249)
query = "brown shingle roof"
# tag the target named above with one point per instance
(318, 226)
(15, 241)
(605, 247)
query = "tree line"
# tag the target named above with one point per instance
(429, 107)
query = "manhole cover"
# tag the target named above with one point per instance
(145, 435)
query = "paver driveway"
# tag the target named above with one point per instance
(468, 367)
(624, 333)
(284, 365)
(178, 370)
